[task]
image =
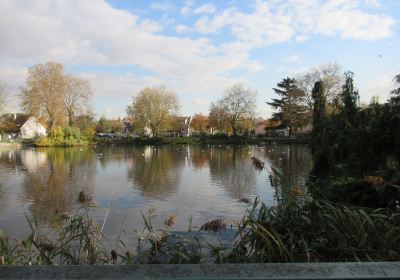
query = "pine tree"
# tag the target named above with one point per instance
(291, 111)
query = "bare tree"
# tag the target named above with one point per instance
(238, 105)
(3, 95)
(77, 97)
(331, 77)
(43, 94)
(153, 108)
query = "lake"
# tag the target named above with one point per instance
(189, 181)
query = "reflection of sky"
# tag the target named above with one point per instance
(202, 189)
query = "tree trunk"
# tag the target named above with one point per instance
(70, 121)
(234, 129)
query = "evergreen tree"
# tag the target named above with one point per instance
(350, 99)
(319, 147)
(291, 110)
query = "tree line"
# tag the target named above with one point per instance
(62, 99)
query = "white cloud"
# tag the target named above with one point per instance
(163, 6)
(181, 29)
(187, 7)
(96, 33)
(373, 3)
(352, 23)
(208, 8)
(275, 21)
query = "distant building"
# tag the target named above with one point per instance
(181, 128)
(184, 126)
(128, 125)
(262, 126)
(32, 128)
(11, 125)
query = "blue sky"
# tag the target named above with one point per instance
(198, 48)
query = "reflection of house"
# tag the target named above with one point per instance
(33, 159)
(32, 128)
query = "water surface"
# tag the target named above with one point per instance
(201, 182)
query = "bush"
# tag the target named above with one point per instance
(72, 132)
(57, 133)
(89, 133)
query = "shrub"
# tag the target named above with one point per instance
(57, 133)
(72, 132)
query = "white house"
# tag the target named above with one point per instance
(32, 128)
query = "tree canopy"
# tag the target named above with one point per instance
(237, 106)
(51, 93)
(153, 108)
(291, 110)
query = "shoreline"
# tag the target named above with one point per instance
(172, 141)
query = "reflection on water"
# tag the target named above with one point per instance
(231, 168)
(156, 171)
(203, 182)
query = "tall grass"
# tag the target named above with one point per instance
(302, 229)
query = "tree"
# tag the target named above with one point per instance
(217, 118)
(153, 108)
(395, 99)
(319, 103)
(331, 77)
(349, 98)
(3, 95)
(291, 110)
(238, 105)
(76, 98)
(200, 123)
(318, 119)
(43, 94)
(54, 95)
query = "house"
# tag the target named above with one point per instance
(128, 125)
(184, 126)
(11, 125)
(181, 128)
(32, 128)
(262, 126)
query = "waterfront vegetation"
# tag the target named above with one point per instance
(68, 136)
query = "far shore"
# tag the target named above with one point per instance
(172, 141)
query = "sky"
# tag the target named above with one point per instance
(199, 48)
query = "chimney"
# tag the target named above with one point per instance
(15, 116)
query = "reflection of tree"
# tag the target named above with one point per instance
(54, 188)
(233, 170)
(156, 172)
(200, 156)
(293, 161)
